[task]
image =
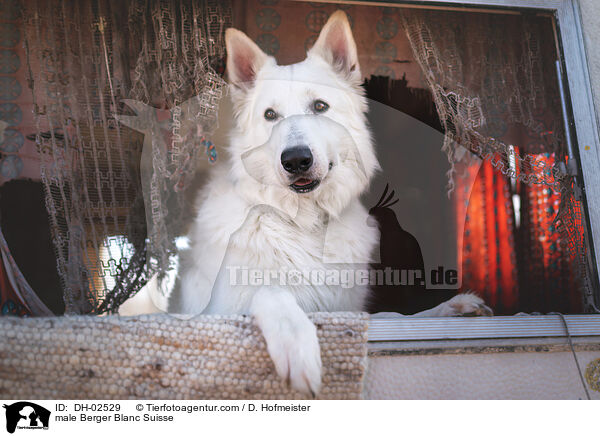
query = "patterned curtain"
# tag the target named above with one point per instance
(102, 75)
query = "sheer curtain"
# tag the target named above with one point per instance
(494, 82)
(114, 86)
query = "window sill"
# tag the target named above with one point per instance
(526, 326)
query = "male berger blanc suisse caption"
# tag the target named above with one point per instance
(288, 199)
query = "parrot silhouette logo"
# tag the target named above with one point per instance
(399, 250)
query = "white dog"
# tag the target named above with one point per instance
(288, 199)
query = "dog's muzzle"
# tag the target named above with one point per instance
(297, 161)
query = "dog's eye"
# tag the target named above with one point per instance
(270, 115)
(320, 106)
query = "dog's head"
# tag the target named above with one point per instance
(301, 129)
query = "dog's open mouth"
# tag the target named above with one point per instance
(303, 185)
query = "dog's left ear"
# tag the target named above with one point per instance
(336, 45)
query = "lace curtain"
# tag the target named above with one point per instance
(115, 84)
(496, 92)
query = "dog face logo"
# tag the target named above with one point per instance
(26, 415)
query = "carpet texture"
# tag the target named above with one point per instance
(162, 357)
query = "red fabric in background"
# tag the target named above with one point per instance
(488, 249)
(514, 269)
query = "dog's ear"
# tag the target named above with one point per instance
(244, 58)
(336, 45)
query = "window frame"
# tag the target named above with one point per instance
(583, 123)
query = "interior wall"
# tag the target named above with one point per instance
(286, 29)
(19, 157)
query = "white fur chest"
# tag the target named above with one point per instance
(273, 249)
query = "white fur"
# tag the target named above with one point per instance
(248, 215)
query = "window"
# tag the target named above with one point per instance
(581, 139)
(499, 207)
(554, 32)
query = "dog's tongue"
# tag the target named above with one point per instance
(302, 182)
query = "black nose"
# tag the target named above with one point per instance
(297, 159)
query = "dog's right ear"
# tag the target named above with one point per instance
(336, 45)
(244, 58)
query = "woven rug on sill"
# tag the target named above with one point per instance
(162, 357)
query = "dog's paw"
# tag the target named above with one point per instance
(291, 339)
(466, 305)
(296, 354)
